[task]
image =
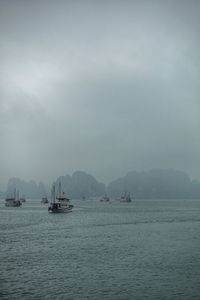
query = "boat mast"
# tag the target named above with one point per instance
(59, 189)
(53, 193)
(15, 193)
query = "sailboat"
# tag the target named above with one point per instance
(13, 201)
(59, 204)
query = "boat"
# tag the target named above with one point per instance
(59, 204)
(44, 200)
(125, 198)
(105, 198)
(22, 199)
(13, 201)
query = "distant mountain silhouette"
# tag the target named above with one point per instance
(76, 186)
(156, 184)
(80, 184)
(28, 188)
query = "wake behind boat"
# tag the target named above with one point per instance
(59, 204)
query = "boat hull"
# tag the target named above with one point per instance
(44, 201)
(15, 203)
(56, 209)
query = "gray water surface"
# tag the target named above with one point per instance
(140, 250)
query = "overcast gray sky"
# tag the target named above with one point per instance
(101, 86)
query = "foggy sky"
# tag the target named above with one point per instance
(101, 86)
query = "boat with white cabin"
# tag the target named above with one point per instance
(105, 198)
(61, 203)
(125, 198)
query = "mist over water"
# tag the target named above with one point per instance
(107, 87)
(140, 250)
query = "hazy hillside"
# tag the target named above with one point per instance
(76, 186)
(81, 184)
(28, 188)
(157, 184)
(154, 184)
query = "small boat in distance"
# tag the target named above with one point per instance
(13, 201)
(44, 200)
(22, 199)
(105, 198)
(59, 204)
(125, 198)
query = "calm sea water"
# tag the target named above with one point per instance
(139, 250)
